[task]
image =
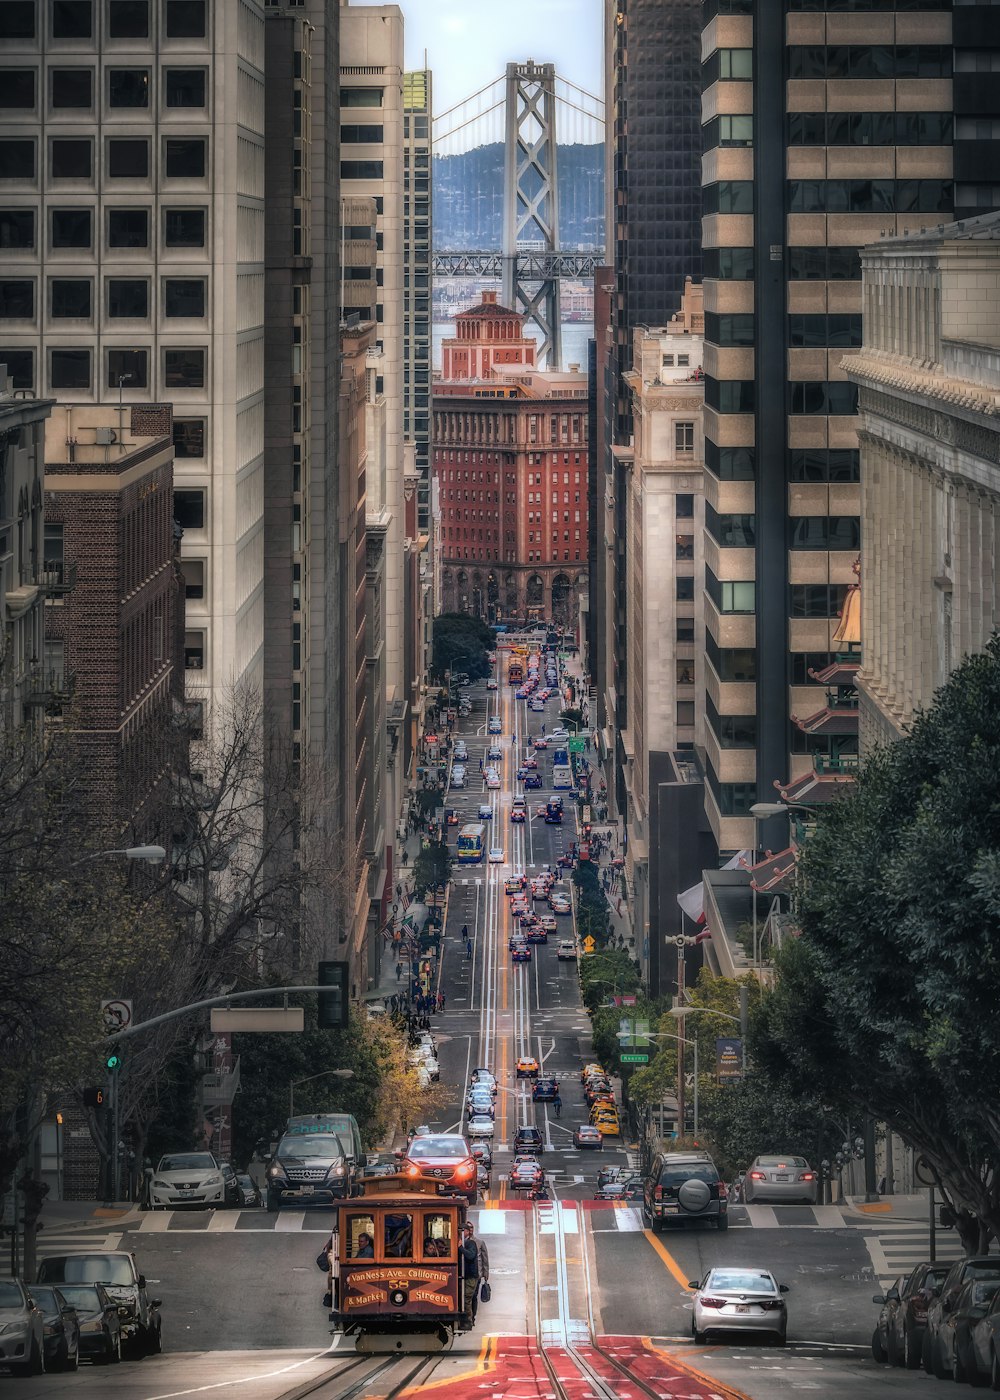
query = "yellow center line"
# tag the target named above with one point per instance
(725, 1391)
(668, 1259)
(484, 1362)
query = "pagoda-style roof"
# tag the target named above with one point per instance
(829, 721)
(486, 311)
(815, 789)
(842, 672)
(774, 872)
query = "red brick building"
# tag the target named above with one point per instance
(114, 639)
(511, 463)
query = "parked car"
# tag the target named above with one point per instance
(739, 1299)
(249, 1194)
(22, 1329)
(776, 1180)
(901, 1323)
(62, 1329)
(936, 1360)
(98, 1321)
(972, 1304)
(118, 1272)
(624, 1189)
(684, 1188)
(984, 1352)
(187, 1179)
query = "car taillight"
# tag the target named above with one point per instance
(658, 1193)
(713, 1302)
(758, 1176)
(771, 1304)
(807, 1176)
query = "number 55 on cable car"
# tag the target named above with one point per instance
(395, 1271)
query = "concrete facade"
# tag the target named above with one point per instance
(135, 228)
(928, 375)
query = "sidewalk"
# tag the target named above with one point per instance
(899, 1208)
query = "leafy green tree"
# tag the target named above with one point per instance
(461, 643)
(432, 867)
(887, 1001)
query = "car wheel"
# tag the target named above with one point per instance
(73, 1362)
(911, 1351)
(960, 1370)
(878, 1350)
(38, 1366)
(657, 1226)
(942, 1371)
(780, 1339)
(891, 1347)
(925, 1353)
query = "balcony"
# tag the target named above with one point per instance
(57, 576)
(47, 686)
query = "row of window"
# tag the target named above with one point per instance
(869, 60)
(870, 128)
(826, 532)
(73, 88)
(125, 19)
(125, 158)
(819, 264)
(711, 8)
(71, 367)
(837, 331)
(836, 196)
(126, 228)
(805, 600)
(803, 464)
(72, 298)
(803, 396)
(739, 664)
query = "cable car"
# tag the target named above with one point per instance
(396, 1283)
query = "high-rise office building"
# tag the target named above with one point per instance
(417, 239)
(824, 128)
(132, 264)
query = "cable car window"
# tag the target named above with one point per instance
(437, 1237)
(399, 1236)
(360, 1237)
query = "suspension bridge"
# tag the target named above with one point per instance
(535, 113)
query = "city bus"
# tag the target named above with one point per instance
(472, 844)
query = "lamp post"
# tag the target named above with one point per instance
(741, 1020)
(761, 811)
(153, 854)
(337, 1073)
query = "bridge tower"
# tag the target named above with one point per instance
(531, 200)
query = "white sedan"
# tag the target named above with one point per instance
(496, 855)
(480, 1126)
(492, 779)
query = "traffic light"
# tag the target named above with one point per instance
(93, 1098)
(331, 1010)
(114, 1061)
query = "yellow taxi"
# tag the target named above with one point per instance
(605, 1120)
(604, 1101)
(588, 1070)
(527, 1067)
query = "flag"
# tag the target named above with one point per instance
(692, 900)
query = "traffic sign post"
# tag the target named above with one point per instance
(632, 1058)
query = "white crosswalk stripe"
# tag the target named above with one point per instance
(897, 1251)
(79, 1242)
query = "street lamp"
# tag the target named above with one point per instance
(337, 1073)
(153, 854)
(682, 1011)
(681, 1040)
(761, 811)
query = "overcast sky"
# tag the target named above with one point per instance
(470, 42)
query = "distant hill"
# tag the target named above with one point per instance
(468, 198)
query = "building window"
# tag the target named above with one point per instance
(728, 197)
(361, 97)
(128, 228)
(731, 531)
(184, 87)
(185, 157)
(361, 169)
(837, 464)
(128, 159)
(825, 532)
(820, 332)
(189, 441)
(824, 264)
(684, 506)
(184, 228)
(684, 547)
(730, 463)
(731, 263)
(352, 134)
(185, 19)
(20, 366)
(17, 229)
(194, 651)
(17, 88)
(72, 87)
(194, 577)
(70, 298)
(685, 712)
(735, 329)
(17, 19)
(71, 228)
(684, 437)
(817, 599)
(684, 590)
(730, 596)
(730, 395)
(71, 160)
(69, 369)
(184, 296)
(128, 298)
(804, 663)
(184, 369)
(72, 19)
(17, 160)
(835, 396)
(129, 367)
(731, 663)
(128, 87)
(189, 509)
(128, 19)
(17, 299)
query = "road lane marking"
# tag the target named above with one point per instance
(155, 1222)
(245, 1380)
(724, 1390)
(224, 1220)
(762, 1217)
(290, 1220)
(668, 1259)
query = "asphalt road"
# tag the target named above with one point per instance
(241, 1291)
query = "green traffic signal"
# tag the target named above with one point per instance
(114, 1062)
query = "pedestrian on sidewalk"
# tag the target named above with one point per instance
(399, 971)
(468, 948)
(557, 1104)
(440, 1001)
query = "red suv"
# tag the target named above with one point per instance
(445, 1158)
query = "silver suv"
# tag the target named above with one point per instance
(684, 1188)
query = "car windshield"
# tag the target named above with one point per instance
(438, 1147)
(697, 1171)
(732, 1281)
(186, 1162)
(88, 1268)
(46, 1299)
(324, 1145)
(10, 1296)
(782, 1162)
(82, 1296)
(982, 1268)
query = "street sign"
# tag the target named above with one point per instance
(116, 1014)
(259, 1019)
(577, 745)
(631, 1058)
(589, 944)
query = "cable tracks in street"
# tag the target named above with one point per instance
(328, 1387)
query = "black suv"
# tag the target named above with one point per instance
(683, 1188)
(528, 1140)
